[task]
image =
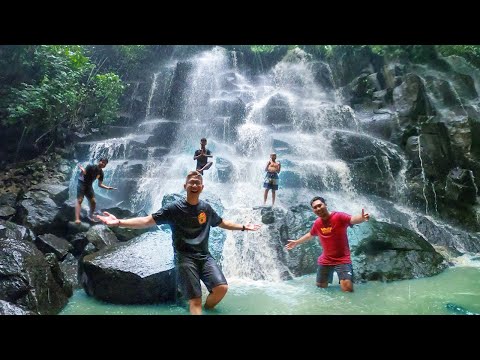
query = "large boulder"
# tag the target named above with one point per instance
(26, 278)
(38, 212)
(136, 272)
(7, 308)
(388, 252)
(10, 230)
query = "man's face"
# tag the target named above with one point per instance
(273, 157)
(102, 164)
(319, 208)
(203, 144)
(194, 185)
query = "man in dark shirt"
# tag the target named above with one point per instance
(190, 220)
(84, 187)
(202, 156)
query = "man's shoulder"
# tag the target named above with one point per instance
(340, 215)
(203, 204)
(176, 204)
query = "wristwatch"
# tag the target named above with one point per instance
(243, 227)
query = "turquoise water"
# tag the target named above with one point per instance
(300, 296)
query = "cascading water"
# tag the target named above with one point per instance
(245, 119)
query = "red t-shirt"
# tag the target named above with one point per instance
(333, 238)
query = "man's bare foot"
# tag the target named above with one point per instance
(78, 222)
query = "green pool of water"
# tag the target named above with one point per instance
(427, 296)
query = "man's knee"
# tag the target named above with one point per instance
(195, 301)
(346, 285)
(220, 289)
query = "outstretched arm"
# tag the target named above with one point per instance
(133, 223)
(229, 225)
(102, 185)
(358, 219)
(292, 243)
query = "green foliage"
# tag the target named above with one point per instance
(107, 90)
(413, 53)
(122, 59)
(469, 52)
(132, 53)
(58, 86)
(263, 48)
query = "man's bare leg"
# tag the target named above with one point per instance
(217, 294)
(273, 197)
(195, 306)
(346, 285)
(265, 196)
(78, 206)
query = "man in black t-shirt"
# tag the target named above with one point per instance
(190, 220)
(202, 156)
(85, 187)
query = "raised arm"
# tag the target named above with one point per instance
(358, 219)
(82, 169)
(133, 223)
(229, 225)
(292, 243)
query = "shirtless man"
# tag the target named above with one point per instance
(271, 177)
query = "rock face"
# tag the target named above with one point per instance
(140, 271)
(389, 252)
(7, 308)
(26, 279)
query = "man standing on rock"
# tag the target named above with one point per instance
(85, 187)
(331, 228)
(190, 220)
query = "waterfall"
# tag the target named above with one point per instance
(244, 119)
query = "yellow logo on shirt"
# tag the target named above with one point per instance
(202, 218)
(326, 230)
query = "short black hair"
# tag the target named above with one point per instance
(105, 160)
(203, 139)
(193, 173)
(318, 198)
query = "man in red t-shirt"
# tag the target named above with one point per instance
(331, 228)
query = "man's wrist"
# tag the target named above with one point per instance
(243, 227)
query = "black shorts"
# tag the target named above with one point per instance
(325, 272)
(193, 269)
(84, 190)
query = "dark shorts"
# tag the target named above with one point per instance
(191, 270)
(271, 181)
(84, 190)
(325, 272)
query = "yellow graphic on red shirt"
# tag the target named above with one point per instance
(326, 230)
(202, 218)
